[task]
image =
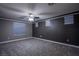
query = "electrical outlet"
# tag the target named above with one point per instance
(68, 40)
(40, 35)
(8, 37)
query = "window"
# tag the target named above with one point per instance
(68, 19)
(19, 28)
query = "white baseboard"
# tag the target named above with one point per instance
(74, 46)
(15, 40)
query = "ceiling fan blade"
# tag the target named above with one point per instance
(22, 18)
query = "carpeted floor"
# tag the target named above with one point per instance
(36, 47)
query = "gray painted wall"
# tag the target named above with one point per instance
(6, 30)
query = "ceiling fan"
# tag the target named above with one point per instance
(32, 17)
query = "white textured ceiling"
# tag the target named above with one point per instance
(42, 10)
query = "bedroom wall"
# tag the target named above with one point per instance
(53, 30)
(6, 30)
(65, 30)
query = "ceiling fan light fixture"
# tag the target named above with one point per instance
(31, 19)
(31, 15)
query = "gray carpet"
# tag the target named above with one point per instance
(36, 47)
